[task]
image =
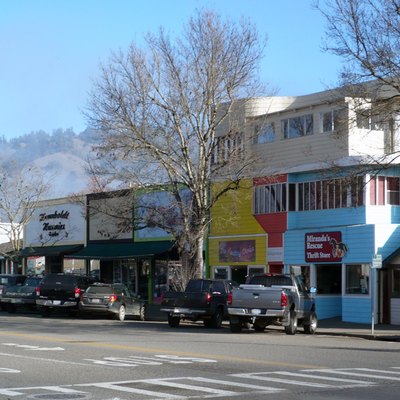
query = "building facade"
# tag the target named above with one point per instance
(325, 203)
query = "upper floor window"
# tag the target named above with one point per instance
(270, 198)
(330, 121)
(384, 190)
(228, 147)
(264, 133)
(298, 126)
(393, 190)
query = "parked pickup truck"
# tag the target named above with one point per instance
(61, 292)
(272, 299)
(21, 295)
(204, 299)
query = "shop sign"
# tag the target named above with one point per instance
(56, 224)
(237, 251)
(324, 247)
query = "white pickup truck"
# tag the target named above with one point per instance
(272, 299)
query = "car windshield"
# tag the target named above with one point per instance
(60, 279)
(32, 281)
(99, 289)
(270, 280)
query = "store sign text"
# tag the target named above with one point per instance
(324, 246)
(54, 229)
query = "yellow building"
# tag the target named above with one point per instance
(237, 243)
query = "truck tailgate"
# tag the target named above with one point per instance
(264, 298)
(184, 300)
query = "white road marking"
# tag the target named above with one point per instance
(173, 359)
(349, 372)
(325, 378)
(52, 360)
(269, 378)
(265, 389)
(9, 371)
(29, 347)
(116, 386)
(150, 387)
(174, 384)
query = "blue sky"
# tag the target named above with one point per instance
(50, 50)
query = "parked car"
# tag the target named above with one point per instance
(204, 299)
(61, 292)
(21, 295)
(272, 299)
(112, 299)
(9, 280)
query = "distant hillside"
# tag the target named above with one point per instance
(61, 156)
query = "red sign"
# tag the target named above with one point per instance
(324, 247)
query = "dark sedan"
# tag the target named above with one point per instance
(114, 299)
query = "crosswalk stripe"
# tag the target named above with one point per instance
(154, 394)
(286, 381)
(327, 378)
(190, 387)
(377, 370)
(237, 384)
(349, 372)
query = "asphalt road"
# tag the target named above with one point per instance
(74, 358)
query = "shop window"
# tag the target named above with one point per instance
(329, 279)
(160, 278)
(357, 279)
(396, 283)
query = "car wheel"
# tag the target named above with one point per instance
(292, 327)
(173, 322)
(121, 313)
(216, 319)
(259, 326)
(311, 327)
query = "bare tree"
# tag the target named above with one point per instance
(158, 109)
(20, 193)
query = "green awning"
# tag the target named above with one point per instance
(99, 251)
(49, 250)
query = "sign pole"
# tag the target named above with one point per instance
(373, 301)
(376, 264)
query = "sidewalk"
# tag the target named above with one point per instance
(336, 327)
(331, 326)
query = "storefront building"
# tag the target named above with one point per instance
(323, 200)
(57, 228)
(113, 253)
(336, 237)
(237, 243)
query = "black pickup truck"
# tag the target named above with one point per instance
(21, 295)
(61, 292)
(204, 299)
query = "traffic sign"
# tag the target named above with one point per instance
(377, 261)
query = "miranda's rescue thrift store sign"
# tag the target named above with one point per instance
(324, 247)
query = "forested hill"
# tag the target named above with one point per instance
(61, 155)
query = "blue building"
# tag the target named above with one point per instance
(326, 190)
